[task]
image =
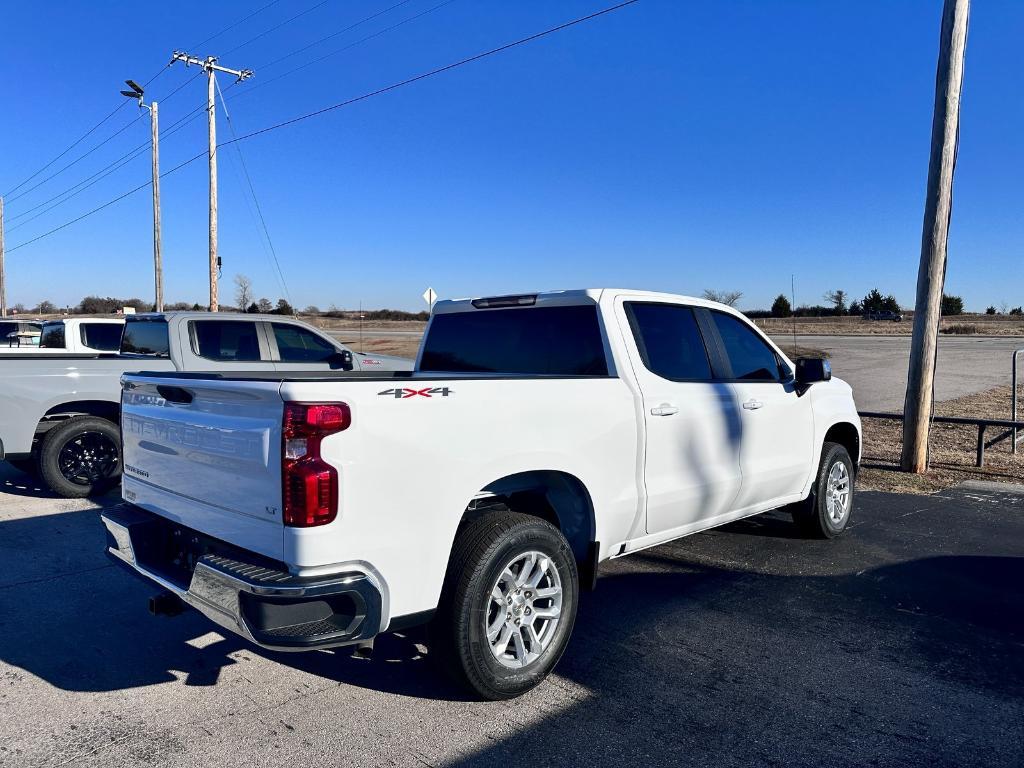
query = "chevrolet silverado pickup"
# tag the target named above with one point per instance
(538, 436)
(74, 335)
(59, 412)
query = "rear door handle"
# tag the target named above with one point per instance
(753, 405)
(664, 409)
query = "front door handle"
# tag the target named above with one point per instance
(665, 409)
(753, 405)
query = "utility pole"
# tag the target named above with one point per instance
(3, 281)
(931, 273)
(210, 66)
(158, 267)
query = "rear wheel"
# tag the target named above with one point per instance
(81, 457)
(508, 604)
(826, 512)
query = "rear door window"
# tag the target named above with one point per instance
(749, 356)
(105, 337)
(557, 341)
(669, 341)
(233, 340)
(300, 345)
(145, 337)
(53, 336)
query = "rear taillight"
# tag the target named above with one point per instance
(309, 485)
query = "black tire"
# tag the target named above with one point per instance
(816, 516)
(81, 457)
(483, 548)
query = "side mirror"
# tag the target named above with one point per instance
(342, 360)
(811, 370)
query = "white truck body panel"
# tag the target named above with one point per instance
(408, 466)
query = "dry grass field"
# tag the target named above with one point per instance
(952, 448)
(970, 325)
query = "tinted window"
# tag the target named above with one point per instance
(669, 341)
(298, 345)
(105, 337)
(145, 337)
(562, 341)
(7, 328)
(226, 340)
(53, 336)
(751, 359)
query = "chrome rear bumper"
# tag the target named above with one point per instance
(242, 592)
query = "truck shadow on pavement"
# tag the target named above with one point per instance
(893, 643)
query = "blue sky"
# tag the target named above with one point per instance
(674, 146)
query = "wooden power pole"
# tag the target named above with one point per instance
(158, 264)
(138, 94)
(938, 203)
(210, 66)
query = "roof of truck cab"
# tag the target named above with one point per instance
(190, 314)
(580, 296)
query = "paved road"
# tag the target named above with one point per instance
(899, 644)
(876, 366)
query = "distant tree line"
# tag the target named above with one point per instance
(837, 306)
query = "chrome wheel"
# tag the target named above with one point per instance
(837, 493)
(88, 458)
(524, 609)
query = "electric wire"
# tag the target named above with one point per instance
(340, 105)
(353, 44)
(121, 106)
(350, 27)
(277, 27)
(131, 154)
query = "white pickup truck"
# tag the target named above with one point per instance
(74, 335)
(538, 436)
(59, 412)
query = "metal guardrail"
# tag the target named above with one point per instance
(1011, 426)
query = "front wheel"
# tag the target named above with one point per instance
(826, 512)
(81, 457)
(508, 604)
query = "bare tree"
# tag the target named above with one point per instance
(243, 291)
(838, 300)
(729, 298)
(265, 306)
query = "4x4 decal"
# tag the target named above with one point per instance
(407, 392)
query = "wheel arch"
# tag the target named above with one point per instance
(846, 434)
(559, 497)
(104, 409)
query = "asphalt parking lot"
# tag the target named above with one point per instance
(901, 643)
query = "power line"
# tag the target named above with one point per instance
(131, 153)
(116, 133)
(255, 200)
(333, 35)
(339, 105)
(237, 23)
(433, 72)
(77, 141)
(277, 27)
(344, 48)
(121, 106)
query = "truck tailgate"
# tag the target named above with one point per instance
(206, 453)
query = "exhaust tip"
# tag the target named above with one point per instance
(166, 604)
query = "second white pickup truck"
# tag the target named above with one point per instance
(538, 436)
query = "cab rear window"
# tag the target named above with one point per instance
(553, 341)
(145, 337)
(105, 337)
